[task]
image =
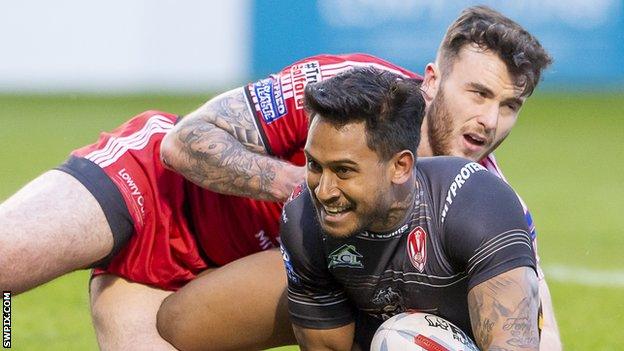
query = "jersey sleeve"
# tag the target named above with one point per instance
(315, 299)
(490, 163)
(278, 105)
(485, 231)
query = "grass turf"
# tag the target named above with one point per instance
(565, 157)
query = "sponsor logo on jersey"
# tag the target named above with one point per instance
(383, 236)
(136, 194)
(417, 248)
(263, 240)
(345, 256)
(284, 216)
(301, 75)
(461, 178)
(270, 99)
(290, 271)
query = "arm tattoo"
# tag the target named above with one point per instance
(503, 311)
(222, 151)
(231, 113)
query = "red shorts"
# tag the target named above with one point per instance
(166, 229)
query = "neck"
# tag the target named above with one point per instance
(403, 201)
(424, 149)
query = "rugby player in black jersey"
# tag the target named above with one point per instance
(375, 233)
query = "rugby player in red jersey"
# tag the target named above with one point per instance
(485, 69)
(149, 231)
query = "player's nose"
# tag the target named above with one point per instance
(488, 117)
(327, 189)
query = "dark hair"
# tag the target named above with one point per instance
(522, 53)
(391, 106)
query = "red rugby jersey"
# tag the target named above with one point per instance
(230, 227)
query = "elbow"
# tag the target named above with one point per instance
(168, 150)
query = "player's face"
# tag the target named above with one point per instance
(474, 106)
(347, 180)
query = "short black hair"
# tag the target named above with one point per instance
(392, 107)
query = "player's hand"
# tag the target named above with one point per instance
(293, 176)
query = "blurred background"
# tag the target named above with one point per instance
(70, 69)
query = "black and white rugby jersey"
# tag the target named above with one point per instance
(466, 226)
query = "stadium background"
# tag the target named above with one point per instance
(70, 69)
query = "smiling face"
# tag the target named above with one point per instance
(472, 107)
(349, 183)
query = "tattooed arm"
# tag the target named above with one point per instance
(218, 148)
(503, 311)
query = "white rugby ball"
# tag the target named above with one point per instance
(415, 331)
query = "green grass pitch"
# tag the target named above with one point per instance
(565, 157)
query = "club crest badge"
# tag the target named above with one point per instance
(417, 248)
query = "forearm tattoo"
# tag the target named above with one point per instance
(503, 311)
(223, 151)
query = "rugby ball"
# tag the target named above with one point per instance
(414, 331)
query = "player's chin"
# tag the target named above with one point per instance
(343, 225)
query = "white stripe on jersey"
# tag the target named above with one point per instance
(506, 236)
(316, 304)
(335, 68)
(334, 297)
(498, 243)
(117, 146)
(329, 295)
(424, 283)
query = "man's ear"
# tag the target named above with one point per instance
(402, 166)
(431, 81)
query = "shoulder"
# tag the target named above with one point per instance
(301, 235)
(299, 203)
(491, 164)
(445, 170)
(299, 218)
(456, 182)
(329, 65)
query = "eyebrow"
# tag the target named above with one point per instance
(481, 87)
(334, 162)
(515, 100)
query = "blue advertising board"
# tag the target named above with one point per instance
(585, 37)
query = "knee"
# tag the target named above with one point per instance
(169, 322)
(100, 312)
